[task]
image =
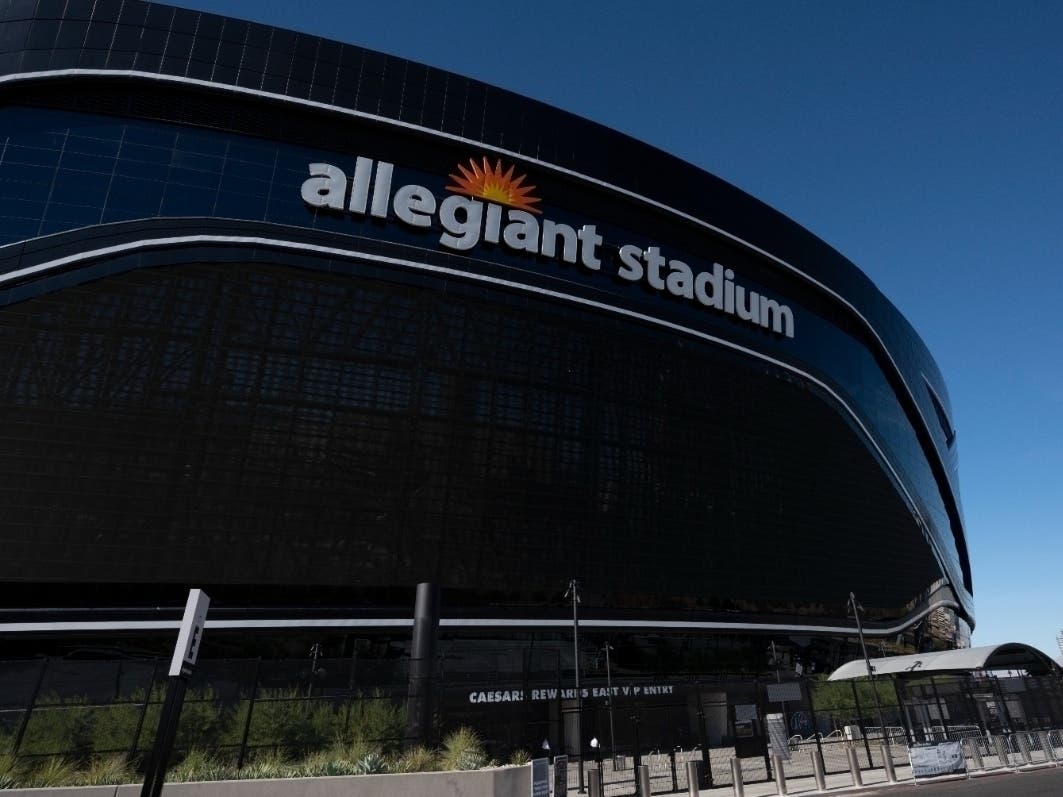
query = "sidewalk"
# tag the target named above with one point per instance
(836, 784)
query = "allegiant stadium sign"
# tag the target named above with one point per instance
(490, 205)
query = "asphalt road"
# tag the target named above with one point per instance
(1039, 783)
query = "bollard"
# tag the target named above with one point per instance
(817, 770)
(1024, 747)
(1002, 751)
(594, 782)
(1046, 744)
(780, 776)
(736, 778)
(692, 779)
(887, 763)
(976, 753)
(643, 775)
(854, 766)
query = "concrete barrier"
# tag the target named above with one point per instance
(500, 782)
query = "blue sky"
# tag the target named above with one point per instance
(921, 140)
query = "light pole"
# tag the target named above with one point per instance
(573, 591)
(856, 609)
(609, 682)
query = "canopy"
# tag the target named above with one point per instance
(1009, 656)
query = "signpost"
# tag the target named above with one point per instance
(540, 777)
(185, 654)
(560, 775)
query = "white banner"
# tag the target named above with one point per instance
(943, 758)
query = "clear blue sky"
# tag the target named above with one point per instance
(922, 140)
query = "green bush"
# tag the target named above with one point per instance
(9, 771)
(418, 759)
(199, 765)
(519, 758)
(52, 771)
(378, 718)
(284, 718)
(267, 764)
(58, 726)
(107, 771)
(463, 749)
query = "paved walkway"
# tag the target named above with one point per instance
(836, 784)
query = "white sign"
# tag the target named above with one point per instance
(942, 758)
(191, 633)
(780, 740)
(475, 212)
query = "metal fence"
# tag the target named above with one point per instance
(237, 707)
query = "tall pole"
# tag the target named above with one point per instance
(609, 683)
(857, 608)
(573, 591)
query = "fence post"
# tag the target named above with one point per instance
(736, 778)
(675, 778)
(1024, 747)
(1046, 744)
(250, 711)
(706, 759)
(1002, 750)
(29, 708)
(862, 725)
(854, 766)
(143, 711)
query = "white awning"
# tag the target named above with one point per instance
(1009, 656)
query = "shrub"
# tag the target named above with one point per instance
(267, 765)
(60, 727)
(198, 765)
(463, 749)
(106, 771)
(9, 771)
(419, 759)
(371, 764)
(327, 762)
(53, 771)
(520, 757)
(377, 719)
(286, 719)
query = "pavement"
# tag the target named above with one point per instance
(1036, 780)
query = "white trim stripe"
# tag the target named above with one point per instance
(500, 623)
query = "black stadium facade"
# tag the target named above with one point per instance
(306, 325)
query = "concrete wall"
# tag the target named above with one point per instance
(501, 782)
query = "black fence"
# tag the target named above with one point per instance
(237, 708)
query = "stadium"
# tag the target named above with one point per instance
(306, 325)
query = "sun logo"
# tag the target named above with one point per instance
(482, 181)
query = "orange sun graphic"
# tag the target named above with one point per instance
(483, 182)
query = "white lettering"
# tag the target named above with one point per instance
(326, 187)
(467, 221)
(415, 205)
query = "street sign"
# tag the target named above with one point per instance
(191, 634)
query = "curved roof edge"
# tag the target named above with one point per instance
(1007, 656)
